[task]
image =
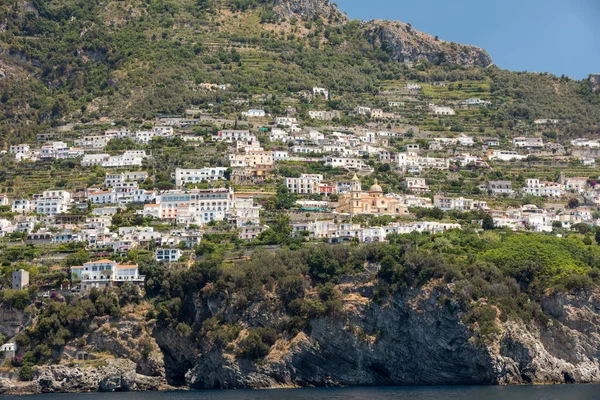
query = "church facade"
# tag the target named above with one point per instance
(371, 202)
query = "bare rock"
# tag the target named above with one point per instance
(405, 44)
(309, 8)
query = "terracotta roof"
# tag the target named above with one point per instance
(103, 261)
(77, 267)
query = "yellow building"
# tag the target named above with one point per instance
(371, 202)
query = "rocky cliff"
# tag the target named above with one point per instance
(416, 337)
(309, 8)
(406, 44)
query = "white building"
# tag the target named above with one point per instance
(476, 102)
(232, 135)
(50, 151)
(581, 142)
(542, 189)
(285, 121)
(118, 178)
(306, 184)
(499, 187)
(195, 206)
(505, 155)
(458, 204)
(278, 135)
(53, 202)
(92, 142)
(252, 113)
(168, 255)
(245, 212)
(440, 110)
(103, 197)
(131, 158)
(324, 115)
(417, 185)
(145, 137)
(347, 163)
(19, 148)
(412, 161)
(279, 155)
(21, 206)
(103, 273)
(186, 176)
(306, 150)
(89, 160)
(528, 142)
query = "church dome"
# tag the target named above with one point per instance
(375, 188)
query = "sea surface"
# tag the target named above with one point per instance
(555, 392)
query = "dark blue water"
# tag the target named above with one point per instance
(557, 392)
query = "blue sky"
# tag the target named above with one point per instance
(557, 36)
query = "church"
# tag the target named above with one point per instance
(371, 202)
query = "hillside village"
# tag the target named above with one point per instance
(320, 177)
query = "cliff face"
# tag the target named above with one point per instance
(410, 340)
(406, 44)
(417, 338)
(12, 321)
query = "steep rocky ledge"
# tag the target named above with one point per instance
(406, 45)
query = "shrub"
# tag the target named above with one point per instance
(257, 344)
(26, 373)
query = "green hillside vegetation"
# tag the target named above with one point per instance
(512, 272)
(82, 60)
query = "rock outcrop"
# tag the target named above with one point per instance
(12, 320)
(405, 44)
(595, 82)
(308, 8)
(115, 375)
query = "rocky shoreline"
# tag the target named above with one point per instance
(416, 337)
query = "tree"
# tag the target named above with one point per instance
(573, 203)
(597, 236)
(388, 269)
(488, 222)
(582, 228)
(284, 200)
(557, 225)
